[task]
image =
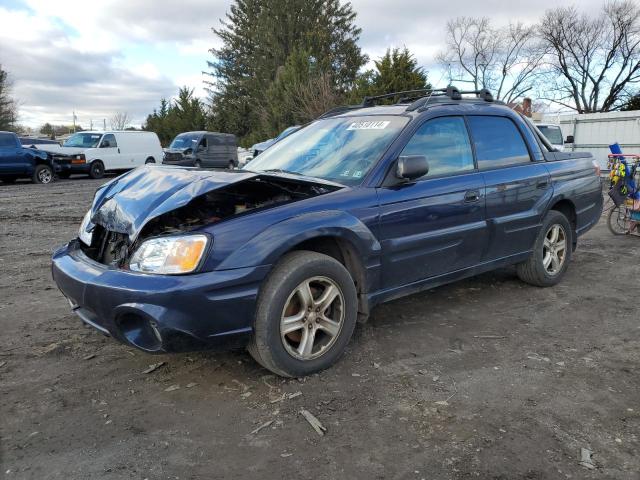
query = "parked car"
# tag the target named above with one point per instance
(203, 149)
(95, 153)
(364, 205)
(258, 148)
(553, 133)
(17, 161)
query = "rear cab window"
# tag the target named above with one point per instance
(498, 142)
(445, 143)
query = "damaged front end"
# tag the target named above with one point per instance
(150, 203)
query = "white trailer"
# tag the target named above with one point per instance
(594, 132)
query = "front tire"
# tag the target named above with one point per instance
(551, 252)
(149, 160)
(305, 316)
(96, 170)
(618, 220)
(43, 174)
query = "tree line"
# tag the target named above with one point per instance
(284, 62)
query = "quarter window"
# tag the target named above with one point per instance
(498, 142)
(445, 143)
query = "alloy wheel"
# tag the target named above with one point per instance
(554, 249)
(312, 318)
(45, 176)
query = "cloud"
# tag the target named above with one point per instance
(124, 55)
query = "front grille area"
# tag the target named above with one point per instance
(172, 157)
(108, 248)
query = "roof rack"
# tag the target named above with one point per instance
(417, 98)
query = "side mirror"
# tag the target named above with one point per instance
(569, 139)
(410, 167)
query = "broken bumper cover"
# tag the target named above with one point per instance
(160, 313)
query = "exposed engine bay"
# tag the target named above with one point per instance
(114, 248)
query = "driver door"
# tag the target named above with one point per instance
(110, 153)
(435, 225)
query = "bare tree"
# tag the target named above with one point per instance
(8, 106)
(315, 97)
(119, 121)
(593, 62)
(505, 60)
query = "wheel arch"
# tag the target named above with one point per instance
(345, 252)
(568, 209)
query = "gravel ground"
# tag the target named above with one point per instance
(486, 378)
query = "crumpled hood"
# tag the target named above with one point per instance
(61, 150)
(127, 203)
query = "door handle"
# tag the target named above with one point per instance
(542, 184)
(472, 196)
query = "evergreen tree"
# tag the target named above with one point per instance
(632, 104)
(260, 37)
(186, 113)
(396, 71)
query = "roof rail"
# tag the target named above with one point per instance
(419, 98)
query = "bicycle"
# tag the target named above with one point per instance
(620, 218)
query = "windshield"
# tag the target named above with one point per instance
(553, 133)
(184, 140)
(342, 150)
(84, 140)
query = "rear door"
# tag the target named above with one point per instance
(435, 225)
(518, 186)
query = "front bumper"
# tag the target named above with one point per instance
(182, 162)
(160, 313)
(71, 168)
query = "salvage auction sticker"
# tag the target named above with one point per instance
(381, 125)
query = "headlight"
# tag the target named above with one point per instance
(169, 255)
(86, 229)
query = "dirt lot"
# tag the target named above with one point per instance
(488, 378)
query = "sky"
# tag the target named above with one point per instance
(99, 58)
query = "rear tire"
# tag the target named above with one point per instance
(43, 174)
(231, 165)
(197, 164)
(318, 325)
(551, 252)
(149, 160)
(96, 170)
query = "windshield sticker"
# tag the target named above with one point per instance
(380, 125)
(357, 174)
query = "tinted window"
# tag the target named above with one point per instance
(498, 142)
(7, 140)
(445, 143)
(111, 139)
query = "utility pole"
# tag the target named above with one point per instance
(74, 121)
(91, 124)
(104, 124)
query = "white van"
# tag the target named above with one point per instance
(553, 133)
(94, 153)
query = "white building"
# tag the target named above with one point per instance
(594, 132)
